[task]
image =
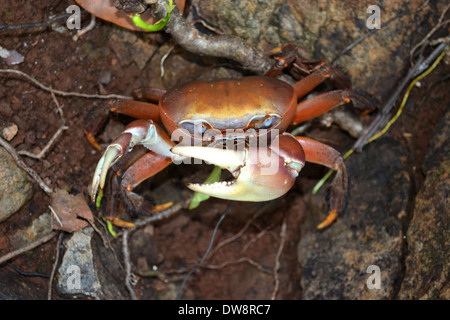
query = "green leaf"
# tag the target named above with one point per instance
(200, 197)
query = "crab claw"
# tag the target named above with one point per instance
(143, 132)
(261, 174)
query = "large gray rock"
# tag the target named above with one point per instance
(77, 273)
(336, 262)
(15, 187)
(428, 251)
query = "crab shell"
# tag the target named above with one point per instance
(240, 101)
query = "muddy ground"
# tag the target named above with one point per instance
(109, 60)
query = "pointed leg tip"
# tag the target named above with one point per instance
(90, 137)
(332, 216)
(162, 207)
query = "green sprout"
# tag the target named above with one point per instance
(200, 197)
(159, 25)
(98, 201)
(110, 228)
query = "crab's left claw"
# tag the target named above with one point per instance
(261, 174)
(143, 132)
(113, 153)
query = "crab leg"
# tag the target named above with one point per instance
(145, 167)
(323, 154)
(318, 105)
(148, 93)
(308, 83)
(144, 132)
(261, 174)
(136, 109)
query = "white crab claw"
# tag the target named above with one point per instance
(225, 159)
(111, 155)
(261, 174)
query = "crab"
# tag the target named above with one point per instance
(206, 117)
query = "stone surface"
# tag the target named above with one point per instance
(428, 255)
(39, 227)
(324, 28)
(77, 273)
(335, 262)
(15, 187)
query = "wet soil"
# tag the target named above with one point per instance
(242, 269)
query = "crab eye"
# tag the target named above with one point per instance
(197, 127)
(265, 122)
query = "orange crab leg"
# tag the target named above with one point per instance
(148, 93)
(136, 109)
(145, 167)
(320, 153)
(318, 105)
(308, 83)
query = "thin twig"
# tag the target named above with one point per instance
(256, 238)
(64, 93)
(237, 261)
(27, 169)
(29, 247)
(129, 279)
(55, 264)
(157, 217)
(386, 109)
(105, 240)
(277, 259)
(180, 291)
(424, 42)
(163, 59)
(86, 29)
(234, 237)
(53, 139)
(129, 276)
(39, 24)
(420, 65)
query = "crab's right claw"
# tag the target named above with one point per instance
(261, 174)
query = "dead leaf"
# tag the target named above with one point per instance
(67, 210)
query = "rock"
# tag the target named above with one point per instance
(324, 28)
(428, 250)
(40, 227)
(77, 273)
(14, 287)
(15, 188)
(335, 262)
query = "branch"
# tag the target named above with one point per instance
(224, 46)
(31, 246)
(27, 169)
(63, 93)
